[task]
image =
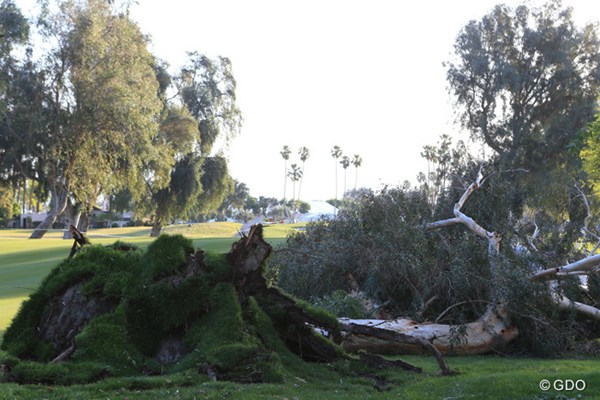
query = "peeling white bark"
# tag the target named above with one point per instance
(478, 337)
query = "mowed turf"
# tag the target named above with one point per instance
(25, 262)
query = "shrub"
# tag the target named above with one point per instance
(342, 304)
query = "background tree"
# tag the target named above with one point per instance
(266, 204)
(442, 162)
(236, 200)
(100, 103)
(357, 162)
(526, 81)
(216, 184)
(304, 153)
(336, 152)
(20, 105)
(295, 173)
(6, 204)
(285, 153)
(345, 163)
(199, 180)
(590, 155)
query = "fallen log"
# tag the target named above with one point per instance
(389, 337)
(405, 336)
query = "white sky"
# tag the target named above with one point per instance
(366, 75)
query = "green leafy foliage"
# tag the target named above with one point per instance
(340, 302)
(379, 247)
(526, 82)
(380, 242)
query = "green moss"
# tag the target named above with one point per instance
(153, 301)
(105, 269)
(44, 351)
(143, 328)
(20, 339)
(166, 255)
(34, 372)
(230, 355)
(220, 269)
(124, 246)
(115, 273)
(106, 339)
(319, 314)
(264, 327)
(58, 374)
(221, 325)
(170, 308)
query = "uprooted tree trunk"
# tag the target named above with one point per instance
(247, 257)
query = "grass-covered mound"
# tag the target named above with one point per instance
(118, 311)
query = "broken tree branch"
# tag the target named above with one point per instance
(586, 265)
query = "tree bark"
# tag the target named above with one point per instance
(84, 222)
(156, 229)
(72, 215)
(490, 331)
(58, 203)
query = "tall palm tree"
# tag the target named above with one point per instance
(304, 154)
(357, 162)
(345, 162)
(285, 153)
(295, 175)
(336, 153)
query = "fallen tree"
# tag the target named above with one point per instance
(111, 311)
(494, 328)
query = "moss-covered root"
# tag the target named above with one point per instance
(247, 257)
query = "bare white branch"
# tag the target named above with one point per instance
(586, 264)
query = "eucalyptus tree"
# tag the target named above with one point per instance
(336, 152)
(236, 199)
(198, 180)
(526, 82)
(304, 153)
(357, 162)
(15, 98)
(100, 102)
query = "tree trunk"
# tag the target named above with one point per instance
(490, 331)
(58, 203)
(72, 217)
(84, 222)
(156, 229)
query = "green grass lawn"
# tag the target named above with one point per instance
(24, 263)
